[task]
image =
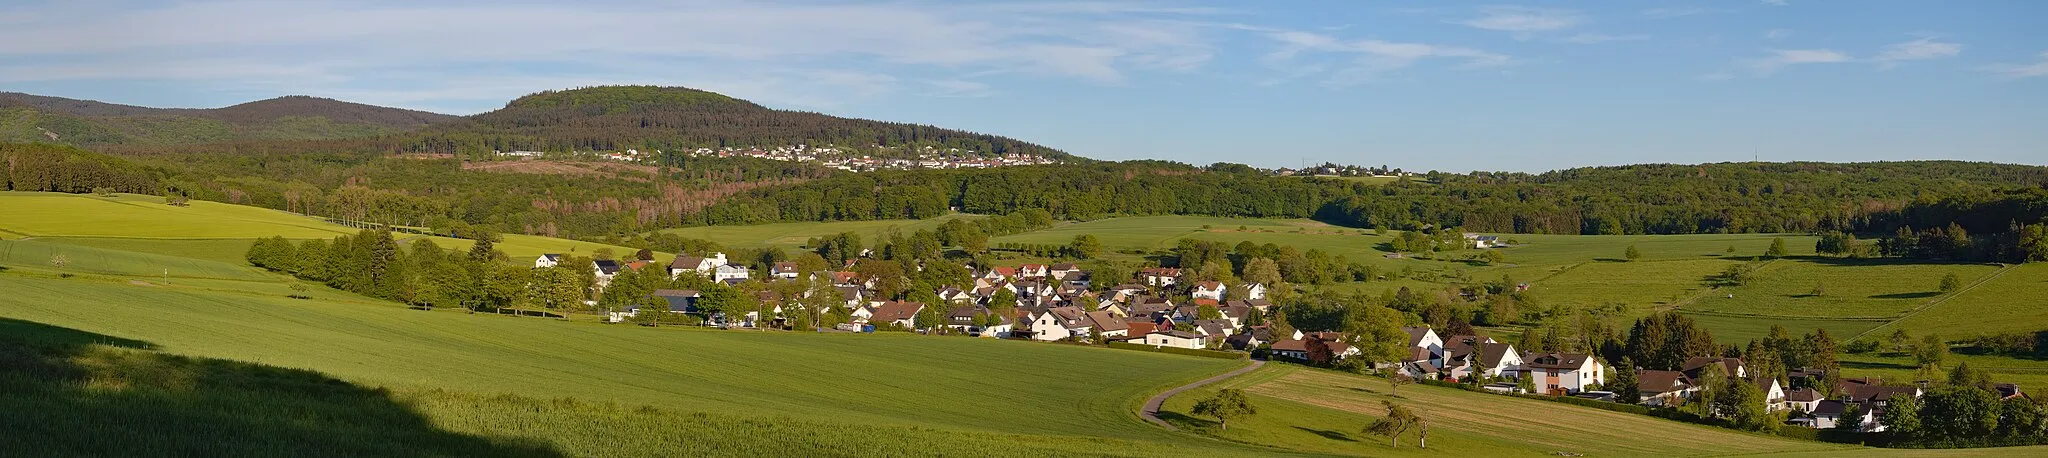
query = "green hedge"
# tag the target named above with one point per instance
(1178, 351)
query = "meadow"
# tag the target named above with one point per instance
(790, 236)
(206, 230)
(839, 382)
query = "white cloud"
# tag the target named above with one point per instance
(1523, 19)
(1588, 38)
(1924, 48)
(1781, 58)
(2034, 70)
(1777, 34)
(1667, 13)
(341, 45)
(1361, 60)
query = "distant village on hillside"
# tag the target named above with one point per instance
(928, 157)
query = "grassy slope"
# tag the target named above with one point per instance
(76, 393)
(1324, 412)
(793, 235)
(38, 254)
(205, 229)
(879, 379)
(2014, 301)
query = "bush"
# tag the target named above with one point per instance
(1179, 351)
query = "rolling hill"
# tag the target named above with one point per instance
(26, 117)
(621, 117)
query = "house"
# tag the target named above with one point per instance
(1496, 360)
(1483, 241)
(702, 266)
(1466, 356)
(787, 270)
(1253, 291)
(1561, 373)
(1123, 293)
(729, 274)
(1298, 348)
(1065, 271)
(970, 319)
(1426, 339)
(1828, 413)
(899, 313)
(2008, 391)
(605, 269)
(1774, 393)
(1211, 290)
(1111, 327)
(1237, 312)
(1246, 341)
(1175, 339)
(1215, 327)
(1035, 271)
(547, 260)
(1802, 399)
(1055, 323)
(676, 301)
(1730, 367)
(1420, 364)
(1158, 276)
(1664, 388)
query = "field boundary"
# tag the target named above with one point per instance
(1151, 410)
(2002, 269)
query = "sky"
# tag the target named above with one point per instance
(1421, 85)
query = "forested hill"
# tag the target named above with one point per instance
(611, 118)
(25, 117)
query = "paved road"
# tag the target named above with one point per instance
(1151, 410)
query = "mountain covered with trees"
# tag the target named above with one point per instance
(611, 118)
(25, 117)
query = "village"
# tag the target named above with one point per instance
(1160, 308)
(927, 157)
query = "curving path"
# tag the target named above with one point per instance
(1151, 410)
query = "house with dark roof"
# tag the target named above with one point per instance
(1557, 373)
(604, 270)
(1730, 367)
(1664, 388)
(1428, 340)
(1298, 348)
(547, 260)
(899, 313)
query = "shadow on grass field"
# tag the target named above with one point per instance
(75, 393)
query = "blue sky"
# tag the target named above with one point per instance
(1526, 86)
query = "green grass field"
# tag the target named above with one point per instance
(206, 230)
(37, 254)
(793, 235)
(893, 381)
(1324, 411)
(1851, 288)
(2014, 301)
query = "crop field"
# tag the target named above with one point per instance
(1642, 285)
(1324, 411)
(793, 235)
(1740, 330)
(1539, 249)
(888, 379)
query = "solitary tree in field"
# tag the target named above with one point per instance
(1225, 405)
(1397, 422)
(1777, 248)
(1394, 381)
(1493, 257)
(1950, 283)
(1086, 246)
(1730, 250)
(1632, 253)
(59, 261)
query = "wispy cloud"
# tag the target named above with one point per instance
(1668, 13)
(1305, 54)
(334, 47)
(2017, 71)
(1781, 58)
(1924, 48)
(1588, 38)
(1523, 19)
(1777, 2)
(1777, 34)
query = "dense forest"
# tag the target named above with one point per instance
(1995, 205)
(614, 118)
(25, 117)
